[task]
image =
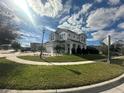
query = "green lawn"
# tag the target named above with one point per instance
(19, 76)
(118, 61)
(64, 58)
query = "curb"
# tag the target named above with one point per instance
(95, 88)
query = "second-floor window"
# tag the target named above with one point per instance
(73, 36)
(62, 36)
(52, 37)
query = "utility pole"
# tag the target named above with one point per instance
(41, 53)
(109, 52)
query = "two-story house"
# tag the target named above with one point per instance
(67, 39)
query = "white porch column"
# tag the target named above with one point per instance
(51, 51)
(66, 48)
(70, 49)
(85, 46)
(82, 46)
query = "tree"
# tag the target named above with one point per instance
(104, 49)
(117, 48)
(73, 50)
(16, 46)
(58, 48)
(8, 29)
(79, 50)
(42, 48)
(92, 50)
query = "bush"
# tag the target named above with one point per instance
(16, 46)
(90, 50)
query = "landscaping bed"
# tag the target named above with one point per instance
(28, 77)
(64, 58)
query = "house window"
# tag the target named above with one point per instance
(73, 36)
(52, 37)
(62, 36)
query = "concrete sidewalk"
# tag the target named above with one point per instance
(13, 57)
(22, 61)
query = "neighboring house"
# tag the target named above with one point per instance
(5, 46)
(26, 49)
(35, 46)
(118, 47)
(67, 39)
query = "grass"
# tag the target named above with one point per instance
(64, 58)
(19, 76)
(118, 61)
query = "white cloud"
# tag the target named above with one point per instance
(66, 8)
(120, 12)
(114, 2)
(86, 7)
(97, 19)
(50, 29)
(50, 8)
(72, 24)
(75, 21)
(101, 18)
(64, 19)
(121, 25)
(8, 12)
(103, 34)
(99, 1)
(104, 17)
(5, 11)
(73, 28)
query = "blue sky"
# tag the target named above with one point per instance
(96, 18)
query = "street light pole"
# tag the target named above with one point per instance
(109, 54)
(41, 53)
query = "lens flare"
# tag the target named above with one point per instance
(22, 4)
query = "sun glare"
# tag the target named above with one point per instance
(22, 4)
